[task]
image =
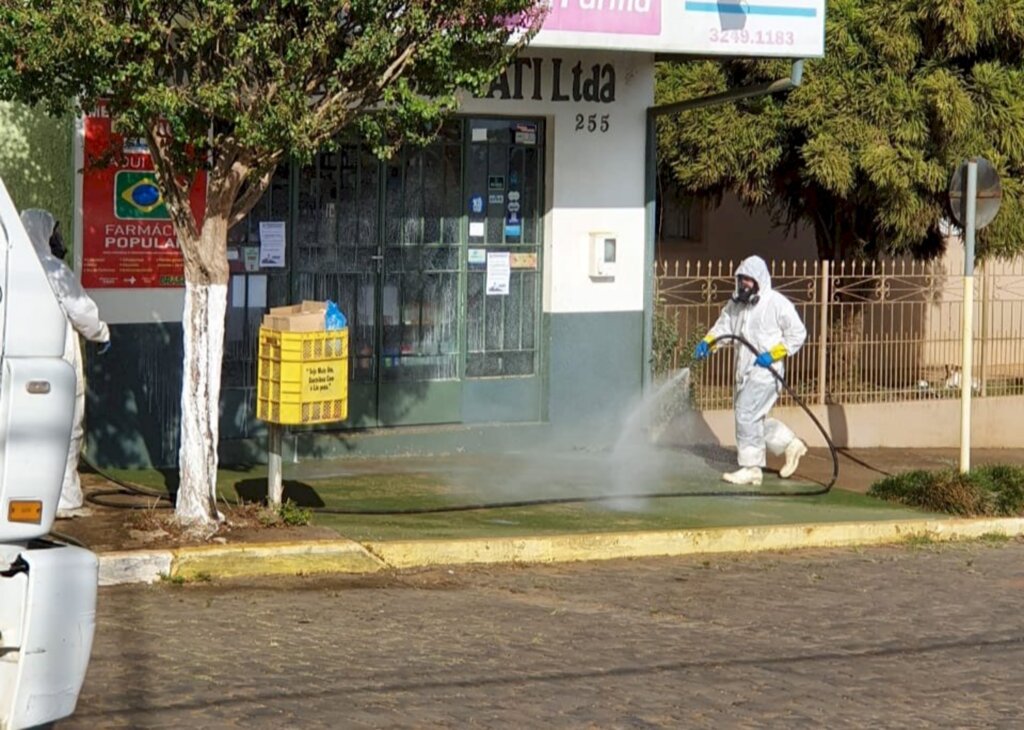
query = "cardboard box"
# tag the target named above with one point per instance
(307, 316)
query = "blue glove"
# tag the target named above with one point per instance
(764, 360)
(702, 351)
(104, 348)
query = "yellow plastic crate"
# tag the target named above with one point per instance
(303, 377)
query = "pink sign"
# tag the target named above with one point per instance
(619, 17)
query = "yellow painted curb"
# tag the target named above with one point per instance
(233, 561)
(607, 546)
(347, 556)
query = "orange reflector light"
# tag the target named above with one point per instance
(25, 510)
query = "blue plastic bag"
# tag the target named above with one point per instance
(333, 318)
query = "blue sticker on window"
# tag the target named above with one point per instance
(476, 204)
(512, 224)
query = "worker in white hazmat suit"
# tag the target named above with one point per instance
(83, 316)
(769, 322)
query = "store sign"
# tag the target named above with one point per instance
(787, 28)
(128, 241)
(554, 79)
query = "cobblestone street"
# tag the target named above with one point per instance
(887, 637)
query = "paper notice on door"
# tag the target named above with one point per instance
(272, 244)
(476, 229)
(499, 269)
(238, 291)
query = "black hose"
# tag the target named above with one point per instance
(67, 539)
(611, 498)
(136, 490)
(799, 401)
(125, 489)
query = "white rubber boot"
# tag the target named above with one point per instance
(746, 475)
(794, 451)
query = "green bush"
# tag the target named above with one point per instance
(294, 515)
(665, 340)
(996, 490)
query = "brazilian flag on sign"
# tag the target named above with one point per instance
(137, 197)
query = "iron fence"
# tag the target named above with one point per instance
(878, 332)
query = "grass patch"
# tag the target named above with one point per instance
(918, 540)
(180, 580)
(987, 491)
(995, 538)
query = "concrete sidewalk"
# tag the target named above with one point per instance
(594, 531)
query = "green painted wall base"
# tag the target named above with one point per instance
(593, 378)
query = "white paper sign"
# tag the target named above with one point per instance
(258, 291)
(499, 268)
(476, 229)
(272, 244)
(238, 291)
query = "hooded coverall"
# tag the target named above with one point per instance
(83, 315)
(770, 325)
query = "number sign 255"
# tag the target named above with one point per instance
(592, 123)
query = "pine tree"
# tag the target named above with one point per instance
(864, 149)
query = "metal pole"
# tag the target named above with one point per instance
(986, 309)
(796, 77)
(822, 331)
(967, 370)
(274, 479)
(650, 241)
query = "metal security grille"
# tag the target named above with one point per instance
(505, 169)
(878, 332)
(402, 246)
(383, 239)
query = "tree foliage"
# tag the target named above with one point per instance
(237, 86)
(240, 85)
(864, 149)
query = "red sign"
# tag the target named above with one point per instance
(128, 241)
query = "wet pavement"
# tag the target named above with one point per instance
(925, 636)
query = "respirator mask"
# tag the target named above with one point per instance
(746, 291)
(57, 243)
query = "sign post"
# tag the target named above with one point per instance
(973, 209)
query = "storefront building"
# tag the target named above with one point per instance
(493, 281)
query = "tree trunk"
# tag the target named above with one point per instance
(233, 188)
(203, 332)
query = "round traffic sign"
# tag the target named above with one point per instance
(989, 194)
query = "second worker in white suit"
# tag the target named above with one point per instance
(84, 319)
(769, 322)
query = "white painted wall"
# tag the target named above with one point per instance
(926, 424)
(595, 181)
(730, 232)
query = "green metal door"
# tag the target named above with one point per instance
(389, 241)
(420, 284)
(384, 241)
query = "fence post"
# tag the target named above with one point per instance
(822, 329)
(985, 322)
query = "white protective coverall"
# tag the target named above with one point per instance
(83, 315)
(770, 322)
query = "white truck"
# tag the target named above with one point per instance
(47, 589)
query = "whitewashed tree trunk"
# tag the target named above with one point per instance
(206, 297)
(203, 324)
